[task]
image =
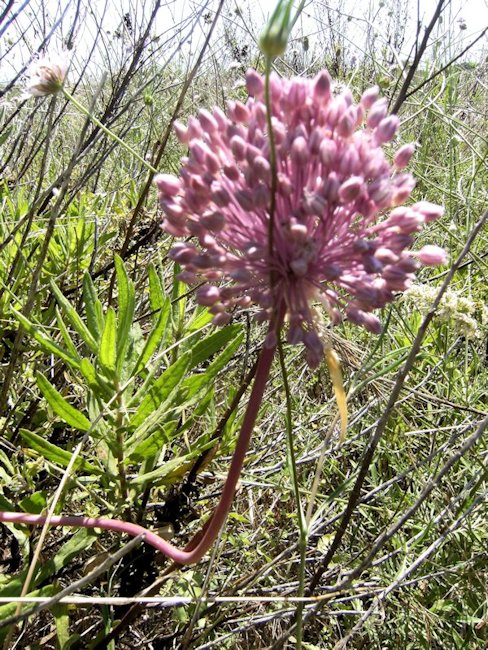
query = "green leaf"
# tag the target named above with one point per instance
(10, 608)
(155, 338)
(60, 613)
(151, 446)
(172, 469)
(156, 297)
(107, 354)
(212, 343)
(61, 407)
(126, 301)
(194, 384)
(74, 318)
(160, 390)
(202, 318)
(34, 503)
(66, 335)
(95, 380)
(53, 453)
(93, 307)
(46, 343)
(5, 135)
(80, 542)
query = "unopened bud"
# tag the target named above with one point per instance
(274, 37)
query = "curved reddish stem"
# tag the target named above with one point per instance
(204, 539)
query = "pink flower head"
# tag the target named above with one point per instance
(331, 241)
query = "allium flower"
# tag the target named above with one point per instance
(46, 75)
(333, 241)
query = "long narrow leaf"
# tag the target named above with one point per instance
(61, 407)
(155, 338)
(66, 335)
(126, 299)
(46, 343)
(74, 318)
(211, 344)
(156, 295)
(107, 353)
(152, 445)
(53, 453)
(93, 307)
(161, 389)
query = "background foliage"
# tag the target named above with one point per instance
(100, 344)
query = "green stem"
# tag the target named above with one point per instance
(119, 442)
(302, 524)
(107, 131)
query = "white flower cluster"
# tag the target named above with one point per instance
(454, 308)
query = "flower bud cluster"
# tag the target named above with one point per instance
(341, 234)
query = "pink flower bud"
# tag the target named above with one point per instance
(181, 132)
(386, 129)
(245, 199)
(220, 195)
(254, 83)
(212, 162)
(221, 319)
(299, 151)
(207, 295)
(386, 256)
(370, 96)
(207, 121)
(328, 152)
(213, 221)
(261, 168)
(238, 147)
(432, 255)
(168, 184)
(321, 87)
(351, 189)
(430, 211)
(403, 155)
(195, 131)
(377, 113)
(198, 149)
(182, 253)
(347, 122)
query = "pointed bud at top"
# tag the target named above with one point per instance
(168, 184)
(181, 132)
(321, 87)
(351, 189)
(432, 255)
(386, 129)
(431, 211)
(274, 37)
(207, 120)
(377, 113)
(46, 75)
(254, 83)
(403, 155)
(370, 96)
(299, 151)
(207, 295)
